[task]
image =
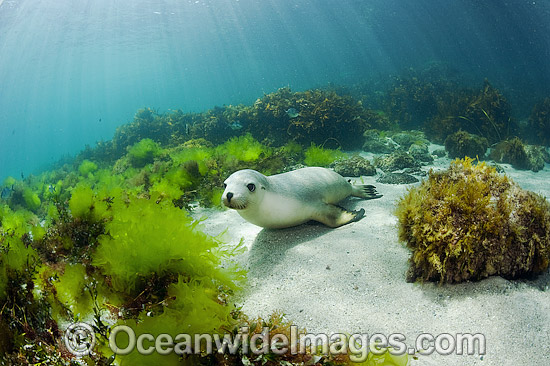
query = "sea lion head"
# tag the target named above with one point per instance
(244, 189)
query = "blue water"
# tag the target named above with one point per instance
(72, 71)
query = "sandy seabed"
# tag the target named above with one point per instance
(352, 280)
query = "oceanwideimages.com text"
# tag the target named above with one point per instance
(357, 346)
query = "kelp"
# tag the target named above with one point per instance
(539, 123)
(484, 112)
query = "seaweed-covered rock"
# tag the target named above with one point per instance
(519, 155)
(469, 222)
(440, 153)
(415, 171)
(539, 123)
(511, 152)
(355, 166)
(406, 139)
(376, 142)
(397, 178)
(461, 144)
(420, 151)
(395, 161)
(497, 167)
(537, 157)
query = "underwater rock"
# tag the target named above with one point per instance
(461, 144)
(512, 152)
(396, 161)
(497, 167)
(406, 139)
(519, 155)
(355, 166)
(420, 151)
(375, 143)
(415, 171)
(537, 156)
(440, 153)
(397, 178)
(469, 222)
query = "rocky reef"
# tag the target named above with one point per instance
(355, 166)
(396, 161)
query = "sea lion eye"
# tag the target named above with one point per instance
(251, 187)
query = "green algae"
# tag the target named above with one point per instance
(143, 152)
(318, 156)
(87, 167)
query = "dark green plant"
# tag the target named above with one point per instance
(539, 123)
(319, 116)
(484, 112)
(411, 100)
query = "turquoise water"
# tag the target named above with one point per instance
(72, 71)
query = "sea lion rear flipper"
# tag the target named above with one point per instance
(358, 215)
(335, 216)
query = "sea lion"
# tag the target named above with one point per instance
(290, 199)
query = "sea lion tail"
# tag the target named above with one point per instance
(365, 191)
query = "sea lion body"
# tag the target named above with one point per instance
(290, 199)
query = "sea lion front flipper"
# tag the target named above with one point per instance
(365, 191)
(335, 216)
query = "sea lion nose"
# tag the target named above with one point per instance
(229, 196)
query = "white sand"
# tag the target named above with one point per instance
(352, 279)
